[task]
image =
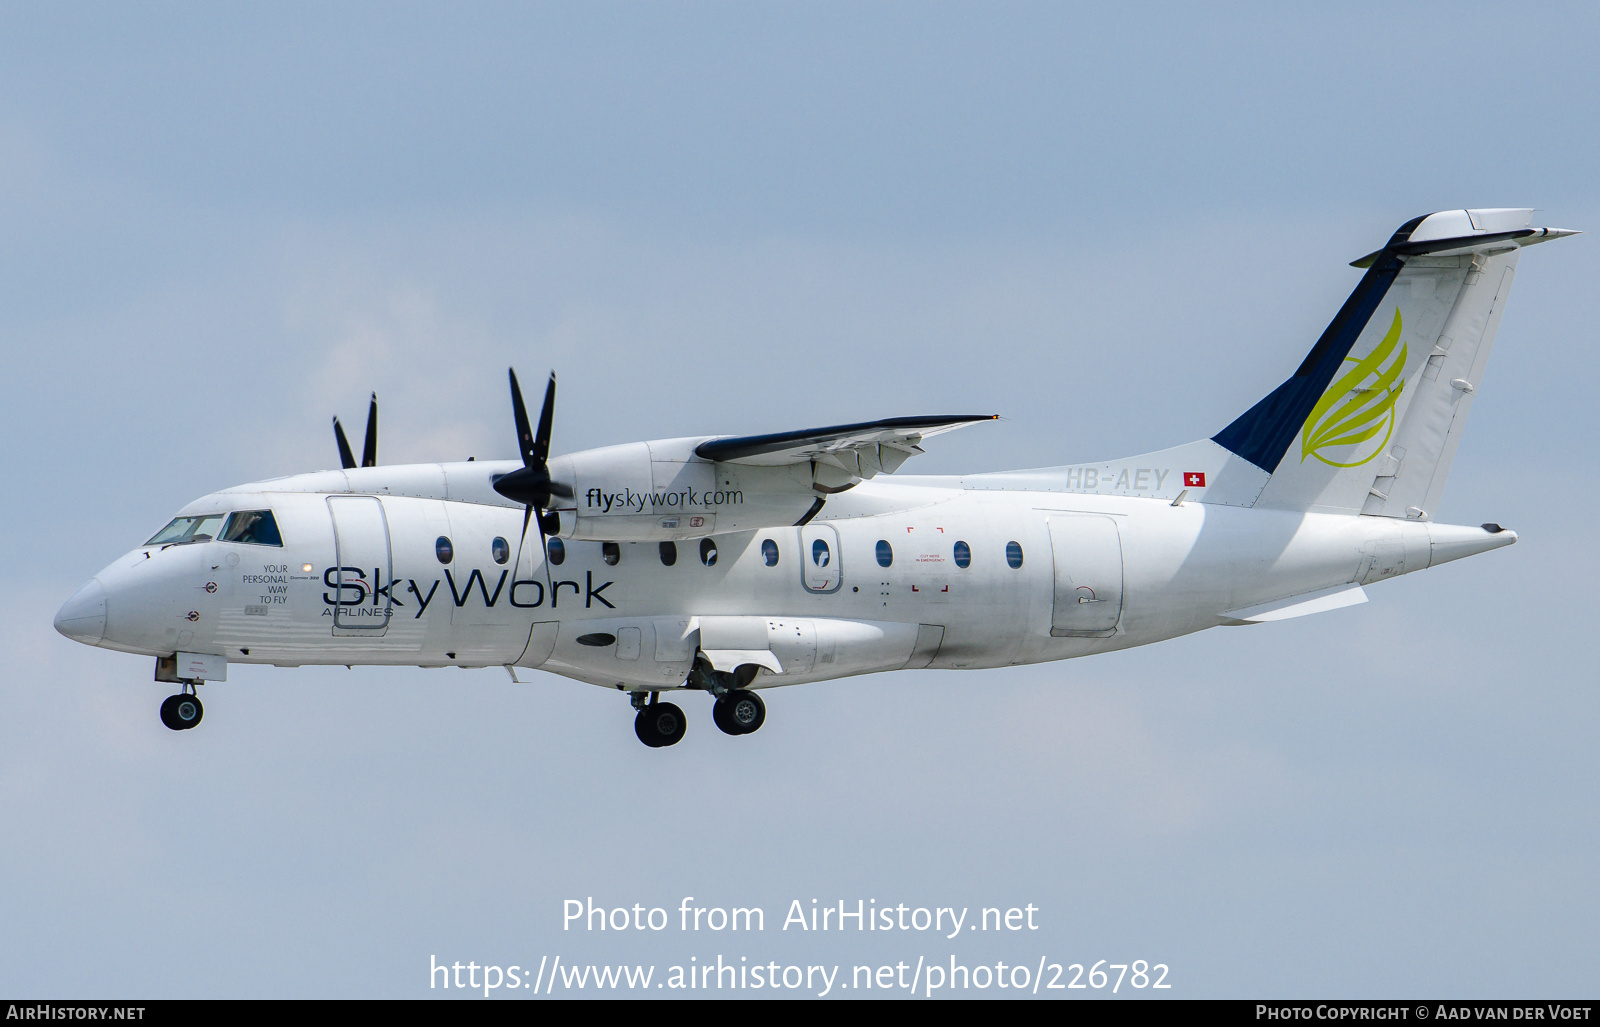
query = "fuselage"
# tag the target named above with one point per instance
(733, 563)
(426, 565)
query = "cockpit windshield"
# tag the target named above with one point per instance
(202, 528)
(257, 527)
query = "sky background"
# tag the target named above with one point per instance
(1118, 226)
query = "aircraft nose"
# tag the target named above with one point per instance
(83, 617)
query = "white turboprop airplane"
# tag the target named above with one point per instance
(729, 565)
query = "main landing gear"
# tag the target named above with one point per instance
(658, 723)
(739, 712)
(182, 711)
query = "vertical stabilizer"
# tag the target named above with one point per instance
(1371, 419)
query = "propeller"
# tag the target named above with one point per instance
(369, 451)
(530, 484)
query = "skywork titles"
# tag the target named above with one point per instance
(355, 595)
(631, 501)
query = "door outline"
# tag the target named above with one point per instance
(342, 625)
(1075, 595)
(809, 534)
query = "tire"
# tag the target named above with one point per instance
(660, 724)
(644, 727)
(746, 711)
(669, 722)
(721, 714)
(182, 712)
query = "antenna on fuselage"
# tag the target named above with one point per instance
(369, 451)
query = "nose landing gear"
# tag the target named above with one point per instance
(182, 711)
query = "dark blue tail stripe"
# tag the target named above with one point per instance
(1264, 432)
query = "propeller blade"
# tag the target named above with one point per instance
(544, 555)
(541, 442)
(527, 515)
(516, 566)
(347, 459)
(369, 452)
(530, 484)
(524, 430)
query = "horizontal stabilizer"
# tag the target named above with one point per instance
(1320, 601)
(1464, 243)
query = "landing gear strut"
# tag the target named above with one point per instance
(182, 711)
(658, 723)
(739, 712)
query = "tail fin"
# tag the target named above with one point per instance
(1370, 421)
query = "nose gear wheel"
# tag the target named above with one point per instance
(182, 711)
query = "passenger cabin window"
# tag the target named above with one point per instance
(963, 555)
(253, 527)
(708, 552)
(611, 553)
(1014, 554)
(500, 549)
(669, 553)
(202, 528)
(443, 549)
(885, 553)
(557, 550)
(769, 552)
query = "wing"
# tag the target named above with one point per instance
(860, 450)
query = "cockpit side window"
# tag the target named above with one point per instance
(201, 528)
(256, 527)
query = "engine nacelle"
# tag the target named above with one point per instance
(650, 491)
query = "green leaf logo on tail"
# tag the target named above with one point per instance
(1358, 405)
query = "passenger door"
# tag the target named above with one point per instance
(1087, 551)
(363, 566)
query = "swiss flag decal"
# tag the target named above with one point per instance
(1194, 479)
